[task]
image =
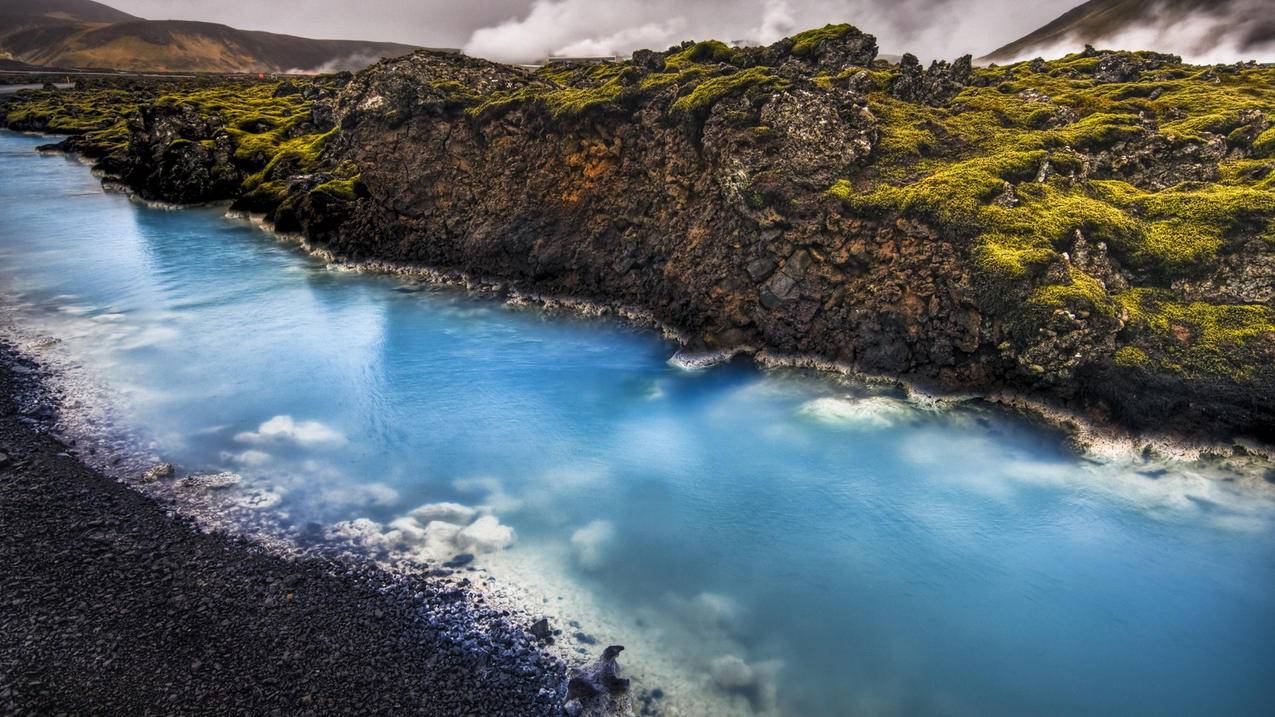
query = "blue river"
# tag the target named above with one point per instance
(764, 542)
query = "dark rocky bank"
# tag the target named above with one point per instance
(112, 604)
(1094, 231)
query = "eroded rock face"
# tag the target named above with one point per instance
(1122, 67)
(1246, 276)
(1154, 161)
(179, 155)
(726, 232)
(933, 86)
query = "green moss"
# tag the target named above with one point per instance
(709, 92)
(972, 165)
(344, 190)
(298, 155)
(1132, 357)
(1083, 293)
(1186, 226)
(804, 43)
(708, 51)
(566, 91)
(1100, 129)
(265, 195)
(1264, 145)
(455, 91)
(660, 80)
(1007, 256)
(98, 115)
(1199, 339)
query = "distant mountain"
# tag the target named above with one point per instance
(1200, 30)
(86, 34)
(62, 10)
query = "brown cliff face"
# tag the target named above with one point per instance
(720, 226)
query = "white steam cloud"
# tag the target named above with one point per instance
(529, 30)
(1222, 32)
(929, 28)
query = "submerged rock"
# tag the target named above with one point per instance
(459, 561)
(210, 481)
(598, 689)
(162, 470)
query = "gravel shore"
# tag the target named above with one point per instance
(110, 603)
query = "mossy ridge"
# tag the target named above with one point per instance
(271, 137)
(974, 166)
(258, 122)
(1198, 339)
(345, 185)
(710, 91)
(270, 134)
(1083, 293)
(805, 43)
(564, 91)
(699, 53)
(702, 71)
(97, 115)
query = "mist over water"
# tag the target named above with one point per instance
(763, 542)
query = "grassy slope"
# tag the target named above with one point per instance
(77, 33)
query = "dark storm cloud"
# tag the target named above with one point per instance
(526, 30)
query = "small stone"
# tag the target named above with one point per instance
(459, 560)
(163, 470)
(540, 629)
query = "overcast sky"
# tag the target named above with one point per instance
(527, 30)
(522, 30)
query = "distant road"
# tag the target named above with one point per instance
(82, 73)
(10, 89)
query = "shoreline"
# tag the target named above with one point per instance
(1090, 438)
(153, 611)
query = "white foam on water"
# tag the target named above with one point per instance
(286, 428)
(485, 535)
(699, 360)
(447, 512)
(1225, 496)
(867, 413)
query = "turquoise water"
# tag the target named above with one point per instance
(786, 543)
